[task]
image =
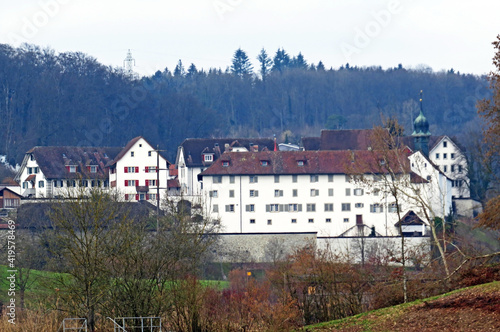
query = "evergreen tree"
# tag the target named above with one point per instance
(179, 69)
(241, 66)
(192, 71)
(299, 62)
(265, 63)
(281, 61)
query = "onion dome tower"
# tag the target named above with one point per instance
(421, 133)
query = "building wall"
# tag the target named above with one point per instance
(452, 162)
(233, 201)
(137, 167)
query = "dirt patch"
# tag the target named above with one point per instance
(475, 309)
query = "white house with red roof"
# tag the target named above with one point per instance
(312, 191)
(131, 171)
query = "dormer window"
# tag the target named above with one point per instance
(264, 162)
(93, 169)
(72, 169)
(208, 158)
(225, 163)
(300, 162)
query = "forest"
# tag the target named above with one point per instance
(50, 98)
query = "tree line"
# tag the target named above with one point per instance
(50, 98)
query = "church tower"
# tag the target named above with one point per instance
(421, 133)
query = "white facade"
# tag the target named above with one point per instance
(133, 172)
(329, 204)
(188, 176)
(452, 162)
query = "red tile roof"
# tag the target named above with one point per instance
(314, 162)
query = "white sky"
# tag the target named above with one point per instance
(442, 34)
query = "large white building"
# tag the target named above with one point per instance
(48, 172)
(314, 191)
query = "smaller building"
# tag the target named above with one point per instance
(9, 199)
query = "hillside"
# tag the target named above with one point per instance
(470, 309)
(51, 98)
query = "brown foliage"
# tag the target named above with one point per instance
(490, 111)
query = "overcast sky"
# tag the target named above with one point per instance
(441, 34)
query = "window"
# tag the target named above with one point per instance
(347, 178)
(300, 163)
(278, 193)
(269, 222)
(132, 169)
(328, 220)
(294, 192)
(93, 183)
(131, 153)
(311, 207)
(215, 208)
(25, 185)
(452, 168)
(445, 168)
(437, 155)
(445, 155)
(35, 170)
(152, 183)
(254, 193)
(208, 157)
(264, 163)
(376, 192)
(150, 169)
(294, 221)
(30, 170)
(41, 184)
(445, 144)
(225, 163)
(330, 191)
(460, 168)
(330, 177)
(72, 169)
(272, 208)
(85, 183)
(328, 207)
(393, 208)
(376, 208)
(231, 179)
(254, 179)
(149, 153)
(359, 205)
(314, 192)
(314, 178)
(276, 179)
(428, 177)
(346, 219)
(452, 155)
(311, 221)
(230, 208)
(217, 179)
(358, 192)
(213, 193)
(252, 221)
(294, 178)
(348, 191)
(294, 207)
(129, 183)
(231, 193)
(152, 197)
(93, 169)
(346, 206)
(250, 208)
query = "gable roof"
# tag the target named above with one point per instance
(195, 147)
(127, 147)
(410, 219)
(299, 162)
(52, 161)
(3, 188)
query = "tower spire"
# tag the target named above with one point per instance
(421, 131)
(129, 63)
